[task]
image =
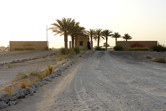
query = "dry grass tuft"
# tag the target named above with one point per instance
(25, 84)
(34, 73)
(160, 60)
(36, 79)
(9, 90)
(49, 70)
(20, 76)
(148, 57)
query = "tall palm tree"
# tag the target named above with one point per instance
(116, 35)
(73, 30)
(98, 34)
(127, 37)
(91, 33)
(106, 34)
(62, 27)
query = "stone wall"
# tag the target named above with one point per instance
(128, 44)
(28, 45)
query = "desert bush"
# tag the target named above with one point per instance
(118, 48)
(36, 79)
(48, 70)
(72, 52)
(148, 57)
(20, 76)
(62, 50)
(160, 60)
(83, 48)
(42, 75)
(24, 84)
(159, 48)
(99, 48)
(34, 73)
(9, 65)
(77, 50)
(9, 90)
(139, 49)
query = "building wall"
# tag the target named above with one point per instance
(128, 44)
(83, 40)
(28, 45)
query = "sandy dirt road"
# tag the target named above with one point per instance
(103, 81)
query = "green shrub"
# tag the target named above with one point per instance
(160, 60)
(62, 50)
(118, 48)
(99, 48)
(72, 52)
(83, 48)
(77, 50)
(159, 48)
(139, 49)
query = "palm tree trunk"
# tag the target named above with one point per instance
(76, 40)
(66, 42)
(126, 40)
(106, 43)
(115, 41)
(91, 43)
(98, 41)
(72, 40)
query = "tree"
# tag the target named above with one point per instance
(91, 33)
(106, 34)
(98, 34)
(127, 37)
(62, 27)
(116, 35)
(74, 29)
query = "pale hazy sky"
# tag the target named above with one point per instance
(27, 19)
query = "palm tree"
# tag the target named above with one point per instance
(62, 27)
(91, 33)
(73, 30)
(116, 35)
(127, 37)
(98, 34)
(106, 34)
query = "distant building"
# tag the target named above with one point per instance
(131, 44)
(28, 45)
(81, 42)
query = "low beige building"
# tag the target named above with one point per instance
(28, 45)
(131, 44)
(81, 42)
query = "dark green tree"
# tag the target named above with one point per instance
(127, 37)
(106, 34)
(116, 35)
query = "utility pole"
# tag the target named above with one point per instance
(47, 35)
